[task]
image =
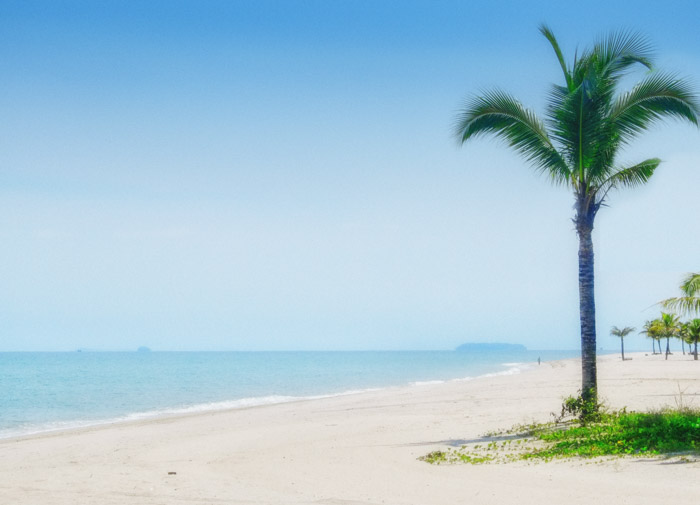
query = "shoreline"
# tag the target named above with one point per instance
(360, 448)
(58, 427)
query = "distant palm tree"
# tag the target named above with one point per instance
(586, 123)
(691, 331)
(669, 327)
(621, 333)
(683, 337)
(689, 303)
(652, 329)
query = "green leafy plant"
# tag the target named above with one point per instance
(674, 432)
(587, 410)
(625, 433)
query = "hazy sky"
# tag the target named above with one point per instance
(282, 175)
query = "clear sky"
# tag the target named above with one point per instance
(261, 175)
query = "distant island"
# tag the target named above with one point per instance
(143, 349)
(480, 347)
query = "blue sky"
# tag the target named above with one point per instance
(282, 175)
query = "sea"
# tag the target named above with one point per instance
(42, 392)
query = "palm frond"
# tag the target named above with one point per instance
(561, 120)
(692, 330)
(622, 333)
(616, 54)
(501, 115)
(691, 285)
(652, 329)
(629, 177)
(683, 304)
(544, 30)
(573, 120)
(690, 302)
(656, 97)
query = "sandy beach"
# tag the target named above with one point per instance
(359, 449)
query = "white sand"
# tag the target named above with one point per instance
(359, 449)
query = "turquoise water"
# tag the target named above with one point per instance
(48, 391)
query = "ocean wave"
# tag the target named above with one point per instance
(241, 403)
(56, 426)
(513, 370)
(426, 383)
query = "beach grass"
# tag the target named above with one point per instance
(674, 432)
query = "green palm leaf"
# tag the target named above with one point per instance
(656, 97)
(629, 177)
(500, 114)
(691, 285)
(621, 333)
(690, 302)
(544, 30)
(683, 304)
(620, 51)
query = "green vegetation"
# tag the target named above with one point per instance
(688, 303)
(670, 326)
(668, 432)
(652, 330)
(587, 122)
(593, 431)
(690, 332)
(626, 433)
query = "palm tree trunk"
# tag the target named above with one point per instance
(668, 349)
(683, 346)
(696, 350)
(622, 348)
(584, 228)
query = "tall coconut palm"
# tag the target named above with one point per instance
(586, 123)
(621, 333)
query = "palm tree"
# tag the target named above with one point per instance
(586, 123)
(691, 331)
(690, 301)
(622, 333)
(652, 329)
(669, 326)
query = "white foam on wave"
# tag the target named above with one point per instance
(55, 426)
(514, 369)
(426, 383)
(511, 371)
(210, 407)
